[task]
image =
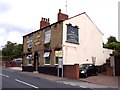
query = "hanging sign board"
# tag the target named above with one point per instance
(58, 53)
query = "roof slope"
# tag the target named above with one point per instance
(65, 20)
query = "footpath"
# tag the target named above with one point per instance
(100, 81)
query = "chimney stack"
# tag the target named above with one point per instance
(62, 16)
(44, 22)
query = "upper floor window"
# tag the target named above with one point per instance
(29, 41)
(47, 36)
(72, 34)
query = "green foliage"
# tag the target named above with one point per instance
(112, 44)
(12, 50)
(111, 39)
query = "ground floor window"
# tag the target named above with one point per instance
(47, 60)
(58, 55)
(56, 60)
(29, 58)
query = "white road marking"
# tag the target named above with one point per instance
(26, 83)
(59, 81)
(83, 87)
(71, 83)
(68, 83)
(4, 75)
(65, 83)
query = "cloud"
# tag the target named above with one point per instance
(11, 27)
(2, 36)
(15, 37)
(10, 32)
(4, 7)
(2, 30)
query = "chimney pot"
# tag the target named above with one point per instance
(48, 19)
(42, 19)
(59, 10)
(44, 22)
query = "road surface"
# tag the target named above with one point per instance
(12, 79)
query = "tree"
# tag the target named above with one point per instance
(111, 39)
(112, 43)
(12, 50)
(18, 50)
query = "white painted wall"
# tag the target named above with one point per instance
(107, 52)
(90, 42)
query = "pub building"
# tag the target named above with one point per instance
(73, 40)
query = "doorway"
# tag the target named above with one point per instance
(36, 63)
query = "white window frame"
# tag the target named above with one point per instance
(28, 58)
(47, 36)
(44, 61)
(30, 41)
(45, 57)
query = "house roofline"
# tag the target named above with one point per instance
(89, 19)
(65, 20)
(76, 15)
(94, 24)
(43, 28)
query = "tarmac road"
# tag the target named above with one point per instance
(12, 79)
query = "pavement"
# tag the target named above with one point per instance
(100, 81)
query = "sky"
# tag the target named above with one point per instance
(20, 17)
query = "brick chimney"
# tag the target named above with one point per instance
(44, 22)
(62, 16)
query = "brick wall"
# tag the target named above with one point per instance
(38, 43)
(71, 71)
(62, 16)
(109, 71)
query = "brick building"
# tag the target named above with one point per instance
(74, 40)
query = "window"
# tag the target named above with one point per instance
(56, 60)
(47, 57)
(47, 60)
(30, 41)
(58, 55)
(29, 58)
(47, 36)
(72, 34)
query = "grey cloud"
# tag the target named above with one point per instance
(4, 7)
(11, 27)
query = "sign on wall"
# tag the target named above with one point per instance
(58, 53)
(72, 34)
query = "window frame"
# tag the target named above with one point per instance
(45, 60)
(29, 60)
(47, 35)
(30, 41)
(55, 60)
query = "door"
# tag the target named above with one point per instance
(36, 58)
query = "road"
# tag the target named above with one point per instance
(12, 79)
